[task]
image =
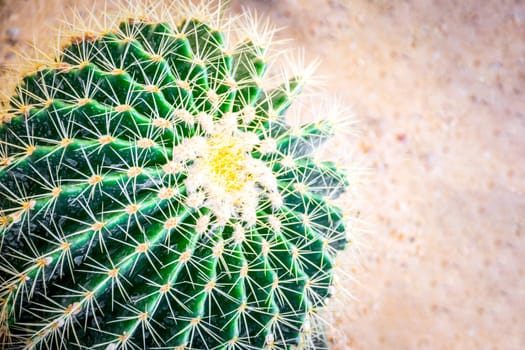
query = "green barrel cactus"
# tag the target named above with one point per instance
(152, 196)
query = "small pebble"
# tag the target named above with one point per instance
(12, 35)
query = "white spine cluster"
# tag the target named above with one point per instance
(221, 173)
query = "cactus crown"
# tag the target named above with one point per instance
(152, 195)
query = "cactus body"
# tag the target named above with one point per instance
(153, 197)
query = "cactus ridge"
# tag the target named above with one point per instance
(152, 196)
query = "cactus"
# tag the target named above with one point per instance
(153, 196)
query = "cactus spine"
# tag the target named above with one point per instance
(152, 195)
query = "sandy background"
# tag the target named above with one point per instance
(438, 89)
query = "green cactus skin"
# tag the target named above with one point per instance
(153, 197)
